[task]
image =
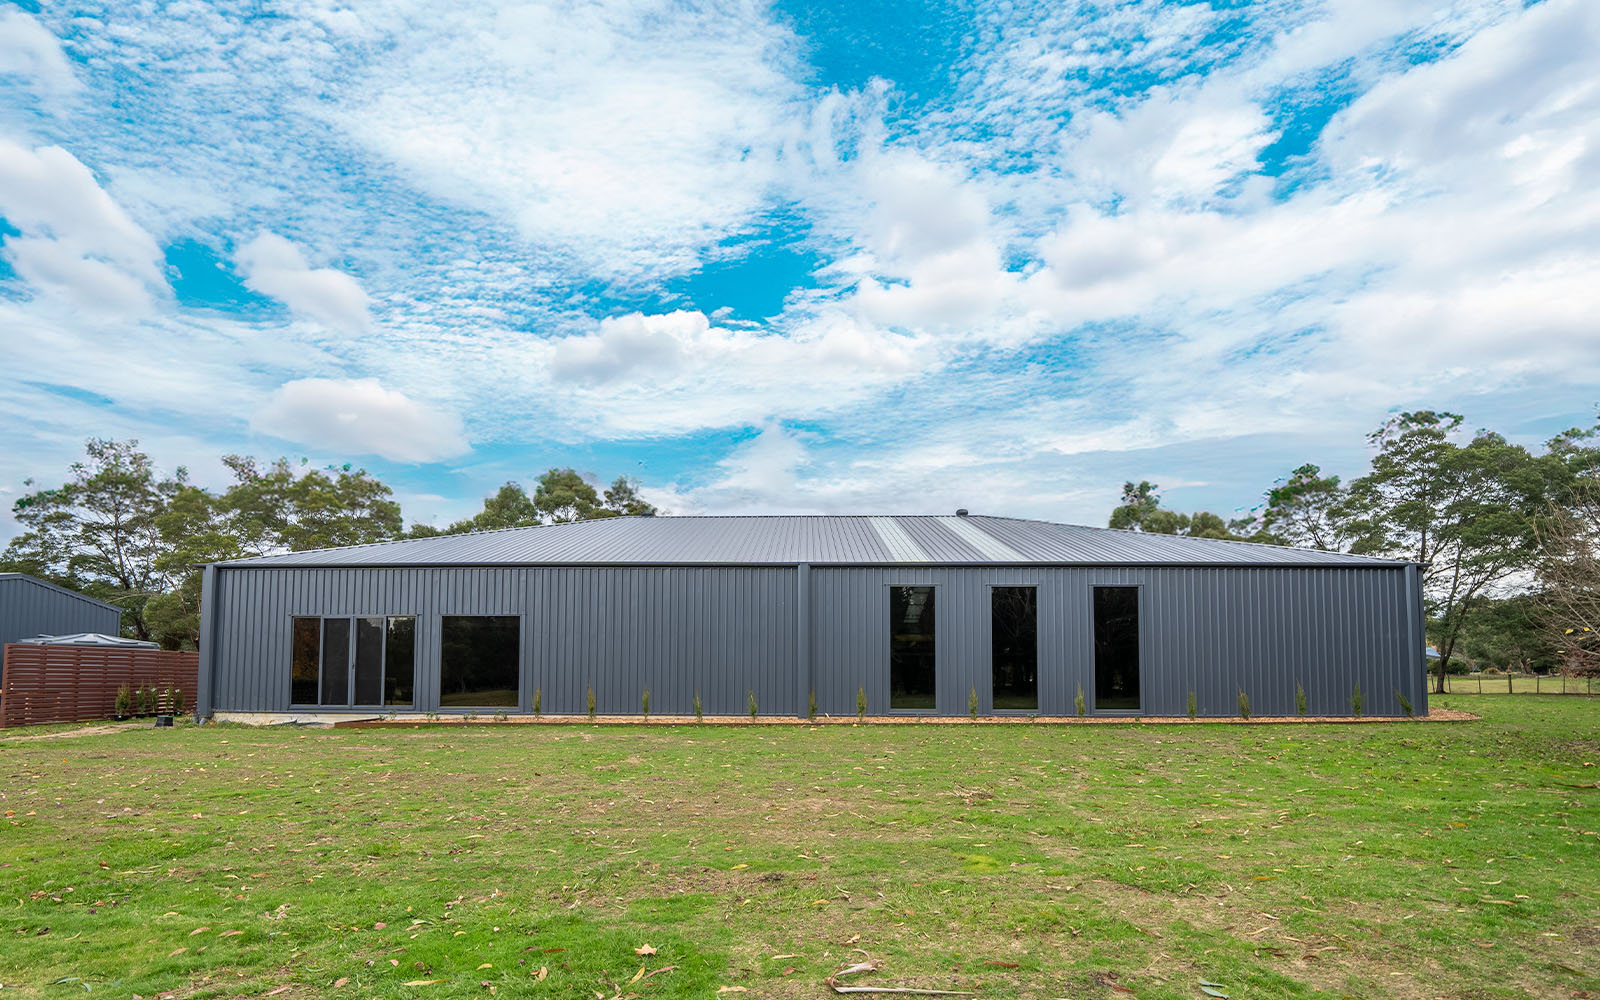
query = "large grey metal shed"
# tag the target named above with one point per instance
(30, 607)
(917, 614)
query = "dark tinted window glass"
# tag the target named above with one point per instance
(369, 661)
(303, 673)
(399, 661)
(1015, 646)
(478, 661)
(335, 661)
(1116, 647)
(911, 648)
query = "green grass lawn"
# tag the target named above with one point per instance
(1410, 860)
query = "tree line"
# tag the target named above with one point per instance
(1509, 538)
(119, 530)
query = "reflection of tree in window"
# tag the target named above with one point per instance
(335, 661)
(385, 661)
(1116, 648)
(911, 648)
(399, 661)
(478, 661)
(1014, 646)
(307, 654)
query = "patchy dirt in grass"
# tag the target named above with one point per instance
(66, 734)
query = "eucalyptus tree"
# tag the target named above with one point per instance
(1468, 513)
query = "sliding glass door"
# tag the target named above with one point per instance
(366, 662)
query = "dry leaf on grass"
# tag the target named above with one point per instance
(341, 981)
(542, 973)
(423, 982)
(176, 952)
(230, 933)
(644, 949)
(198, 930)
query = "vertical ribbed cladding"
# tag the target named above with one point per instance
(724, 631)
(30, 607)
(1216, 631)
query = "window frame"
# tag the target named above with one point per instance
(438, 674)
(1038, 697)
(1093, 671)
(888, 610)
(350, 704)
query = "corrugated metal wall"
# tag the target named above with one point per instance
(1213, 631)
(723, 631)
(29, 608)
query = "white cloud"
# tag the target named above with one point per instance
(75, 242)
(274, 266)
(676, 372)
(360, 416)
(28, 49)
(1070, 260)
(625, 137)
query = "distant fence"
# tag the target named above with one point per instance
(79, 683)
(1520, 684)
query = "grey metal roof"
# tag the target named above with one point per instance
(47, 585)
(820, 540)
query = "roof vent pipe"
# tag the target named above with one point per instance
(961, 512)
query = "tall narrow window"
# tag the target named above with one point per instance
(400, 661)
(1116, 648)
(369, 661)
(478, 661)
(911, 649)
(1014, 647)
(336, 661)
(307, 653)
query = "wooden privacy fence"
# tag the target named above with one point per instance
(79, 683)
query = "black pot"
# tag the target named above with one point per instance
(163, 721)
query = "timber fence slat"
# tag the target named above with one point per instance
(45, 684)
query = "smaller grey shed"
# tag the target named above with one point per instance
(32, 607)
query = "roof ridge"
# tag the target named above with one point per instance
(552, 524)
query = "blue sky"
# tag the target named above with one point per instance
(795, 257)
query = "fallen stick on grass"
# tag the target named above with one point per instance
(895, 989)
(860, 967)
